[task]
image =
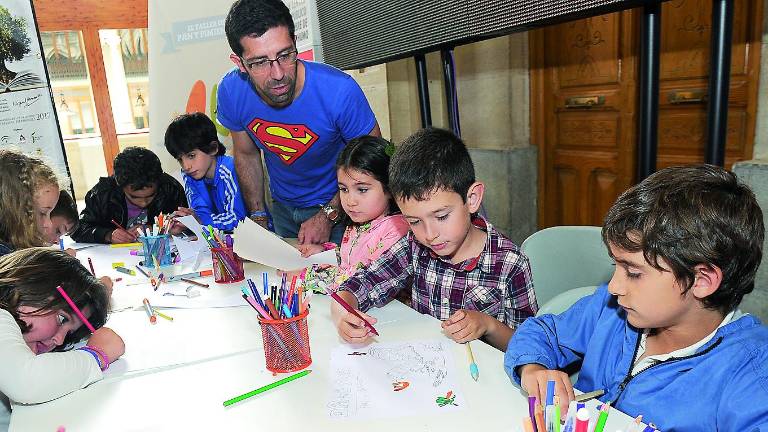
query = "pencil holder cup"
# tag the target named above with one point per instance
(286, 343)
(227, 266)
(158, 246)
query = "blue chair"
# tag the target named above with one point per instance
(568, 263)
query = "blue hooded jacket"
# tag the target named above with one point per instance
(223, 207)
(722, 387)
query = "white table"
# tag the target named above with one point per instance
(175, 376)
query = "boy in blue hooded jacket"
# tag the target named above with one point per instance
(665, 338)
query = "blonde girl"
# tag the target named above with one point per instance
(30, 191)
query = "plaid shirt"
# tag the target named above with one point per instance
(498, 282)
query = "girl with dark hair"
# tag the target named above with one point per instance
(36, 319)
(362, 171)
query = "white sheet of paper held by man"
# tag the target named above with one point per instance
(255, 243)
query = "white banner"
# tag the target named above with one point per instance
(27, 115)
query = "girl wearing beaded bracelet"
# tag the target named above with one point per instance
(35, 320)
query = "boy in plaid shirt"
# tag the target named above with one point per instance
(460, 269)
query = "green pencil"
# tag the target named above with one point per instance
(266, 387)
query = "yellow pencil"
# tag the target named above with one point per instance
(162, 315)
(125, 245)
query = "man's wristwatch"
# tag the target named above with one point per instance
(330, 212)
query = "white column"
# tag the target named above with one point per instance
(118, 86)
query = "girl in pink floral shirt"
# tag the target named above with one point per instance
(362, 172)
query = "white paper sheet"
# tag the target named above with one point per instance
(192, 336)
(190, 250)
(392, 380)
(257, 244)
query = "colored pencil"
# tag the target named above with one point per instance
(114, 222)
(141, 270)
(266, 388)
(473, 370)
(201, 273)
(200, 284)
(76, 309)
(602, 418)
(349, 309)
(125, 245)
(162, 315)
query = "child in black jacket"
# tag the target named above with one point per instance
(137, 192)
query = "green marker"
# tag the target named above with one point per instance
(266, 387)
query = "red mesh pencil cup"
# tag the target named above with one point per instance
(227, 266)
(286, 343)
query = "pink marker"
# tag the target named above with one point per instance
(582, 420)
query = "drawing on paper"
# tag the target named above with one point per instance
(400, 385)
(448, 399)
(370, 382)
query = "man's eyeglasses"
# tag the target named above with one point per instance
(263, 65)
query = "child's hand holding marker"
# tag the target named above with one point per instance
(351, 328)
(534, 378)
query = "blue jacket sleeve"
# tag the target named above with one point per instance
(556, 341)
(228, 197)
(197, 201)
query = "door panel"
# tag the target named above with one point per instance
(584, 99)
(584, 93)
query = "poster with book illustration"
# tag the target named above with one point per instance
(27, 115)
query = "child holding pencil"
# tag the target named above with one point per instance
(458, 267)
(665, 338)
(136, 194)
(210, 181)
(36, 318)
(362, 172)
(29, 189)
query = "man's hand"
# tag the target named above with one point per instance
(316, 229)
(309, 249)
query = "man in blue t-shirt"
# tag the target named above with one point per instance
(300, 113)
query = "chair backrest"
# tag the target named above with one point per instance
(566, 257)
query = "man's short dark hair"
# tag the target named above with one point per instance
(430, 160)
(253, 18)
(688, 216)
(138, 168)
(189, 132)
(65, 207)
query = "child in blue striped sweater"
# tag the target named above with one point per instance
(210, 181)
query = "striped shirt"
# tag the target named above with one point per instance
(498, 282)
(217, 201)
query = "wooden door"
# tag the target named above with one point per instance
(588, 153)
(684, 71)
(582, 104)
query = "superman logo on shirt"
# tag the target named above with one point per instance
(288, 141)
